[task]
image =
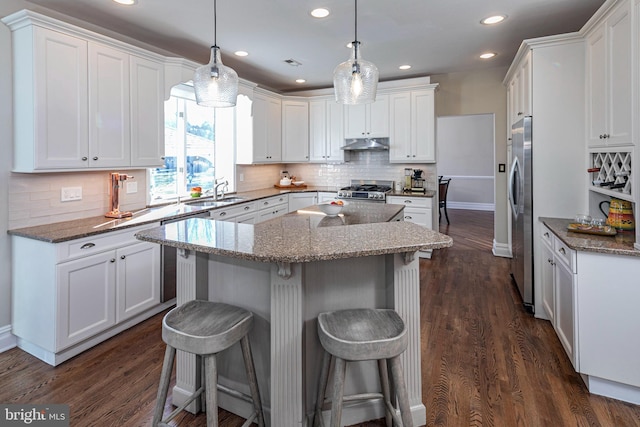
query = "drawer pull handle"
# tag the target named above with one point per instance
(562, 251)
(408, 201)
(223, 213)
(408, 217)
(87, 246)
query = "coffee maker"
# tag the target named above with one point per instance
(417, 182)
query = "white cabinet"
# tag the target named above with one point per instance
(302, 200)
(246, 210)
(559, 291)
(80, 104)
(295, 130)
(272, 207)
(85, 291)
(367, 120)
(519, 90)
(325, 196)
(326, 133)
(609, 79)
(267, 130)
(412, 126)
(418, 210)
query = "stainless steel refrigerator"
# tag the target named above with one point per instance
(521, 202)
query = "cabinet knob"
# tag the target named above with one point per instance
(520, 113)
(112, 260)
(246, 208)
(546, 234)
(408, 155)
(95, 158)
(562, 251)
(85, 158)
(122, 257)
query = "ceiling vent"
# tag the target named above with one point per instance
(293, 62)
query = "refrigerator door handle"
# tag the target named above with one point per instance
(514, 186)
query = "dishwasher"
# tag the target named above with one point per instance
(168, 256)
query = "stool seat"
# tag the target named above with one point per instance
(357, 335)
(363, 334)
(206, 328)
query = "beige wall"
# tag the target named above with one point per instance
(480, 92)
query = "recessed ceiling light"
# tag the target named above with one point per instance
(300, 80)
(405, 67)
(495, 19)
(320, 12)
(488, 55)
(241, 53)
(126, 2)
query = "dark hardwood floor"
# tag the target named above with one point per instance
(486, 362)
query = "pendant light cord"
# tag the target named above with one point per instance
(215, 24)
(356, 22)
(355, 40)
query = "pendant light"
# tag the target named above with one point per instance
(215, 84)
(355, 81)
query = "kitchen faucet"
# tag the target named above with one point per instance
(219, 183)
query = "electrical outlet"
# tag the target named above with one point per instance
(68, 194)
(241, 177)
(132, 187)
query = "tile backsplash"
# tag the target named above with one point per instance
(34, 199)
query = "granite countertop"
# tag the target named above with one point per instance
(353, 212)
(620, 244)
(69, 230)
(427, 193)
(295, 237)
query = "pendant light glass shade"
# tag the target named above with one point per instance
(355, 81)
(215, 84)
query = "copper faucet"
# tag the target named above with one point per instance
(116, 178)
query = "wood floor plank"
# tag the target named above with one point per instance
(485, 360)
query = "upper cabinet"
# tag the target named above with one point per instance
(267, 130)
(519, 91)
(81, 100)
(412, 126)
(295, 130)
(367, 120)
(326, 132)
(609, 79)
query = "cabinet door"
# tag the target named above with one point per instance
(60, 101)
(548, 294)
(86, 298)
(318, 131)
(335, 131)
(619, 76)
(423, 126)
(524, 81)
(400, 127)
(355, 121)
(267, 129)
(109, 117)
(138, 281)
(565, 310)
(302, 200)
(378, 117)
(147, 112)
(596, 87)
(295, 131)
(514, 98)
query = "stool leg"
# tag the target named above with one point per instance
(211, 389)
(163, 388)
(340, 369)
(401, 391)
(322, 387)
(384, 382)
(253, 379)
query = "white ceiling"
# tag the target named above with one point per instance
(434, 36)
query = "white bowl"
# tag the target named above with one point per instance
(329, 209)
(298, 183)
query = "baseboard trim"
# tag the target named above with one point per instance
(502, 250)
(471, 206)
(7, 339)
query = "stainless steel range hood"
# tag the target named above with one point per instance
(366, 144)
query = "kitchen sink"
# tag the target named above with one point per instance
(210, 203)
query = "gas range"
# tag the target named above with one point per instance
(373, 190)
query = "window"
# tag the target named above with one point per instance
(199, 147)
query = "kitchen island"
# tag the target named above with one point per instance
(286, 271)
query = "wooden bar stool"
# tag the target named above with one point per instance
(206, 328)
(357, 335)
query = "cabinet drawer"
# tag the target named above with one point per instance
(272, 201)
(96, 244)
(546, 236)
(416, 202)
(232, 211)
(565, 254)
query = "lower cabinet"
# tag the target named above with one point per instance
(302, 200)
(559, 291)
(85, 291)
(418, 210)
(325, 196)
(272, 207)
